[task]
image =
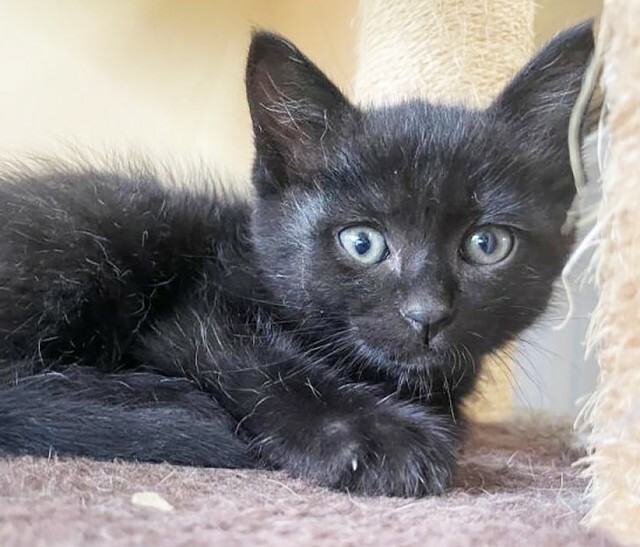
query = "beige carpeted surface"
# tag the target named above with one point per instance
(516, 487)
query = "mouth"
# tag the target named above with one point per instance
(426, 358)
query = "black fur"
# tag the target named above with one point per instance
(133, 416)
(144, 321)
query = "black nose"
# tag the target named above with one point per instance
(428, 320)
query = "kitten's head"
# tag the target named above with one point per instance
(413, 232)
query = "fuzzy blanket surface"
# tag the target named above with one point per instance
(516, 486)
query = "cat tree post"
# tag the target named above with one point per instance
(614, 416)
(451, 52)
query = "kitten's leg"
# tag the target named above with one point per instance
(349, 436)
(303, 418)
(133, 416)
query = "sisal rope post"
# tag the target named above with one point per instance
(447, 51)
(612, 415)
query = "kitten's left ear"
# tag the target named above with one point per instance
(542, 95)
(294, 107)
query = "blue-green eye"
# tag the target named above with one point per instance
(364, 244)
(487, 245)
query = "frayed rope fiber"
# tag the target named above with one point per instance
(612, 415)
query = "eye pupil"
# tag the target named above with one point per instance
(362, 244)
(486, 241)
(487, 245)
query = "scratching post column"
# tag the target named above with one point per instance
(449, 51)
(614, 415)
(445, 50)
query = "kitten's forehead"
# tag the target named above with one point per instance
(420, 155)
(426, 166)
(423, 161)
(431, 125)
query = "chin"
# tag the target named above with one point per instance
(404, 362)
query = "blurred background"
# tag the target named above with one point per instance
(165, 77)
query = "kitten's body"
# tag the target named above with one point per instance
(149, 283)
(147, 322)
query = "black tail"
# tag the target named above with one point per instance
(134, 416)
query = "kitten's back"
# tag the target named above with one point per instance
(127, 243)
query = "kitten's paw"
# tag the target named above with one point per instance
(391, 449)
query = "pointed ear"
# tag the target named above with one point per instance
(294, 107)
(540, 98)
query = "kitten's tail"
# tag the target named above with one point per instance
(132, 416)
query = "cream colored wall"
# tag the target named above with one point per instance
(165, 77)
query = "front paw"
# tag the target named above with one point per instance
(389, 449)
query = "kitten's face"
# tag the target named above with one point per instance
(417, 235)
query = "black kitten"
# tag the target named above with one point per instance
(330, 328)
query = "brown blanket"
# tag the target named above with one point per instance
(516, 487)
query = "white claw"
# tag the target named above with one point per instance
(354, 463)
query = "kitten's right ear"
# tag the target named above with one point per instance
(540, 98)
(294, 107)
